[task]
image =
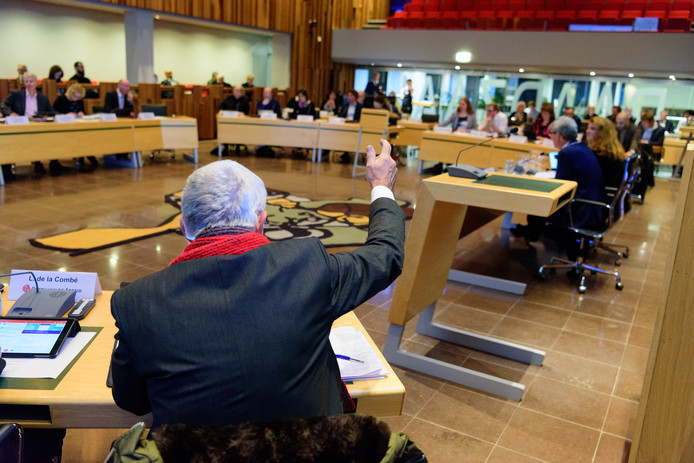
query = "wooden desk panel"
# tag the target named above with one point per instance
(44, 141)
(82, 399)
(274, 132)
(411, 133)
(179, 132)
(338, 137)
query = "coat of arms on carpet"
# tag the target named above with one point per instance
(334, 222)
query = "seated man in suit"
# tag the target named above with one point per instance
(268, 103)
(576, 162)
(28, 102)
(237, 101)
(121, 98)
(352, 110)
(242, 324)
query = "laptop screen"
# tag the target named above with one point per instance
(553, 159)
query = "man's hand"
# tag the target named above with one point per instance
(380, 169)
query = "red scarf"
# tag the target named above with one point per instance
(221, 245)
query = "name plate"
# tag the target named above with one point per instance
(61, 118)
(146, 116)
(17, 120)
(304, 118)
(439, 129)
(268, 115)
(547, 142)
(231, 114)
(107, 117)
(518, 139)
(479, 134)
(85, 284)
(336, 120)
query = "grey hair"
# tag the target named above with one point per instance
(222, 194)
(565, 126)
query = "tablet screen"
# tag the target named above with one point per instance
(32, 337)
(553, 161)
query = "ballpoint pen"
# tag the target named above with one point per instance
(351, 359)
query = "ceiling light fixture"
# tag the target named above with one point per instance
(592, 73)
(463, 57)
(521, 70)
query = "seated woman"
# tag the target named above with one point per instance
(381, 102)
(463, 119)
(331, 104)
(303, 105)
(601, 136)
(72, 103)
(542, 123)
(518, 118)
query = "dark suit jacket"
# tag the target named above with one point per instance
(577, 162)
(231, 103)
(374, 89)
(357, 112)
(230, 339)
(63, 105)
(111, 102)
(16, 102)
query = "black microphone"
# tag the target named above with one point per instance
(466, 171)
(23, 273)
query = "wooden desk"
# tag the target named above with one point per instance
(442, 203)
(47, 140)
(411, 133)
(443, 147)
(273, 132)
(82, 399)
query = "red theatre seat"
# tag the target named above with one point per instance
(451, 20)
(432, 20)
(587, 16)
(562, 20)
(524, 20)
(609, 17)
(413, 20)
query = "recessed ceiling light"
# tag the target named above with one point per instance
(457, 68)
(672, 77)
(463, 57)
(630, 75)
(521, 70)
(399, 65)
(592, 73)
(373, 64)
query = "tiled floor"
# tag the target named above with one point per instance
(580, 406)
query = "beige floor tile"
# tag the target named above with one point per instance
(527, 333)
(612, 449)
(539, 313)
(440, 444)
(589, 347)
(599, 327)
(629, 384)
(621, 417)
(502, 455)
(579, 371)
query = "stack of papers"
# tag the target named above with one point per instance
(350, 342)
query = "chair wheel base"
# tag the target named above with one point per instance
(619, 286)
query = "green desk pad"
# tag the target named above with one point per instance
(520, 183)
(47, 384)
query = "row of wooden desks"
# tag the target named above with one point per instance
(46, 140)
(81, 398)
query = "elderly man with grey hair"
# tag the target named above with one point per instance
(236, 328)
(576, 162)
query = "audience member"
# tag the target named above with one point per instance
(407, 94)
(590, 112)
(518, 118)
(626, 133)
(463, 118)
(374, 87)
(249, 81)
(688, 117)
(56, 73)
(304, 106)
(268, 103)
(381, 102)
(213, 79)
(531, 111)
(264, 327)
(495, 121)
(237, 101)
(21, 70)
(72, 103)
(578, 163)
(121, 98)
(632, 119)
(170, 81)
(29, 102)
(648, 132)
(651, 138)
(616, 110)
(220, 81)
(601, 136)
(352, 110)
(79, 74)
(331, 103)
(542, 123)
(361, 98)
(569, 112)
(665, 123)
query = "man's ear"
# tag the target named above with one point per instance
(262, 217)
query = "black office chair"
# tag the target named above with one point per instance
(589, 240)
(96, 109)
(11, 443)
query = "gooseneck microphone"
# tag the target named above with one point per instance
(466, 171)
(23, 273)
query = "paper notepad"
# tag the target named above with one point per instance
(351, 342)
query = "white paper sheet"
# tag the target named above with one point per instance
(351, 342)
